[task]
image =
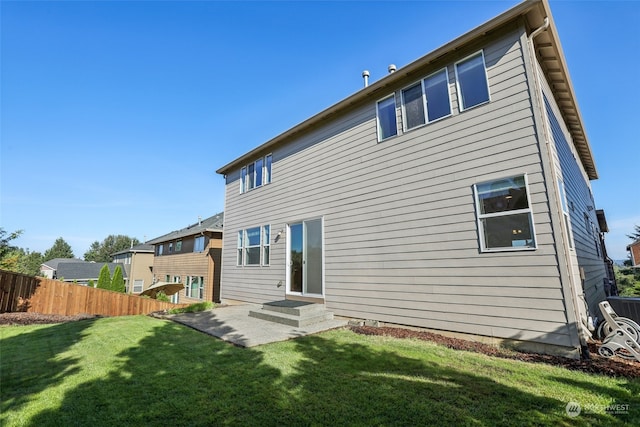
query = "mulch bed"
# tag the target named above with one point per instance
(597, 364)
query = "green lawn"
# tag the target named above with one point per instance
(142, 371)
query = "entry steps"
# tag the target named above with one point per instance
(292, 313)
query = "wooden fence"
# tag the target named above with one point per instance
(19, 292)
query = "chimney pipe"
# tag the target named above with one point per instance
(392, 68)
(199, 220)
(365, 76)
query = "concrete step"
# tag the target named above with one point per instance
(292, 313)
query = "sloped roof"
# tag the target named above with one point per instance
(144, 247)
(53, 263)
(550, 55)
(85, 270)
(213, 223)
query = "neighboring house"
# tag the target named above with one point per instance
(191, 256)
(48, 268)
(452, 194)
(634, 250)
(83, 272)
(138, 263)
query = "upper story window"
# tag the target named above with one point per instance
(170, 247)
(256, 174)
(387, 123)
(179, 246)
(505, 218)
(473, 86)
(426, 101)
(160, 249)
(198, 245)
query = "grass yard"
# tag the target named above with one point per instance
(135, 371)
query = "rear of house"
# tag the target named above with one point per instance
(452, 194)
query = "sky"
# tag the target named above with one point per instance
(115, 115)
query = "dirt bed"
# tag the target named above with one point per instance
(596, 364)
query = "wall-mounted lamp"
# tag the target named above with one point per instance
(278, 236)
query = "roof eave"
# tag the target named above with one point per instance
(534, 12)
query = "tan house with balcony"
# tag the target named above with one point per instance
(191, 256)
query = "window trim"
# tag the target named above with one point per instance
(378, 125)
(405, 117)
(480, 216)
(195, 244)
(459, 89)
(251, 174)
(265, 236)
(247, 246)
(424, 91)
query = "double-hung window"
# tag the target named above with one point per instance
(473, 86)
(505, 218)
(256, 174)
(413, 106)
(254, 246)
(387, 123)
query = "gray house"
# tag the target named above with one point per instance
(453, 194)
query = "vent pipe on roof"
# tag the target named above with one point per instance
(199, 220)
(391, 68)
(365, 76)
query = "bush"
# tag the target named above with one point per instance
(161, 296)
(193, 308)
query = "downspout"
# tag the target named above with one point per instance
(583, 331)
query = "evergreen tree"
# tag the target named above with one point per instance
(5, 248)
(102, 252)
(117, 282)
(104, 280)
(60, 249)
(635, 235)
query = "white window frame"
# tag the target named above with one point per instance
(405, 116)
(240, 254)
(266, 245)
(564, 204)
(247, 246)
(261, 173)
(459, 89)
(424, 91)
(480, 216)
(188, 289)
(138, 286)
(378, 125)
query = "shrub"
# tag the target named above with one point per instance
(193, 308)
(161, 296)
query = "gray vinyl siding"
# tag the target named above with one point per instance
(587, 253)
(400, 232)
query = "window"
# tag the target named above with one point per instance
(166, 278)
(252, 246)
(436, 89)
(170, 247)
(267, 168)
(195, 287)
(505, 219)
(198, 245)
(565, 211)
(138, 286)
(179, 246)
(471, 76)
(256, 174)
(266, 244)
(240, 247)
(160, 247)
(413, 106)
(387, 125)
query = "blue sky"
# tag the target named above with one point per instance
(116, 114)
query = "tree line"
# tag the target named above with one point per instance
(21, 260)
